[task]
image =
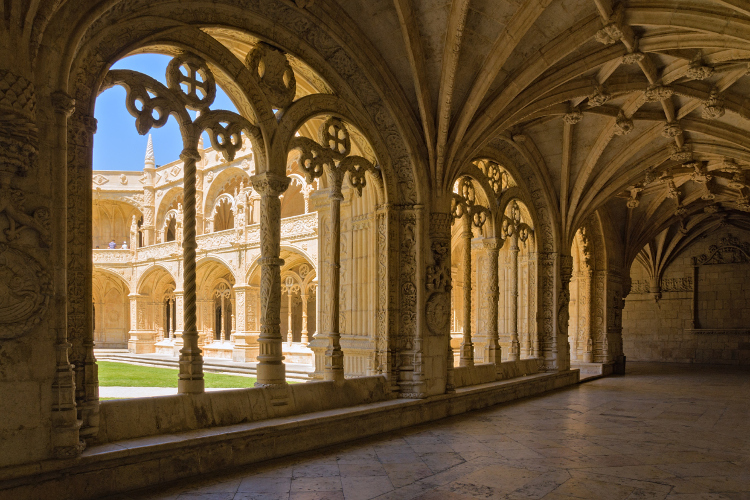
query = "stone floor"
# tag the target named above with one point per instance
(662, 431)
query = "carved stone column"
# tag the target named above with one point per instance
(66, 436)
(467, 347)
(560, 344)
(515, 347)
(585, 287)
(334, 356)
(290, 332)
(304, 338)
(270, 368)
(493, 353)
(191, 359)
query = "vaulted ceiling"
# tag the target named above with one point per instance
(641, 106)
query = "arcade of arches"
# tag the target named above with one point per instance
(431, 206)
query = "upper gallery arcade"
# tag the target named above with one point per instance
(411, 198)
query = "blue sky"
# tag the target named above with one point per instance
(117, 145)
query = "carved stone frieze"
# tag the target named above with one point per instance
(729, 250)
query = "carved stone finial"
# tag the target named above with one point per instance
(713, 107)
(671, 129)
(612, 30)
(633, 58)
(697, 71)
(599, 97)
(623, 124)
(738, 180)
(573, 116)
(700, 174)
(149, 161)
(633, 202)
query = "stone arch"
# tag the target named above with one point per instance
(314, 106)
(148, 273)
(219, 182)
(164, 205)
(110, 293)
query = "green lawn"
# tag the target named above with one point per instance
(125, 375)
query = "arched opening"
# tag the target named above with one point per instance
(110, 310)
(223, 214)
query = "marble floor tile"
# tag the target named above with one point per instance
(662, 432)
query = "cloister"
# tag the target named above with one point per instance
(432, 207)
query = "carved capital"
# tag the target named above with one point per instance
(63, 103)
(270, 184)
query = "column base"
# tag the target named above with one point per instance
(467, 354)
(334, 365)
(270, 374)
(191, 386)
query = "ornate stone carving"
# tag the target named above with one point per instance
(713, 107)
(623, 124)
(633, 202)
(656, 93)
(273, 73)
(698, 71)
(25, 291)
(612, 30)
(730, 250)
(633, 58)
(599, 97)
(572, 117)
(671, 129)
(680, 154)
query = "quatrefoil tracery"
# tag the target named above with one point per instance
(333, 154)
(466, 203)
(191, 85)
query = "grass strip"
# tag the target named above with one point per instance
(113, 374)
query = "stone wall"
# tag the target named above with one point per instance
(663, 329)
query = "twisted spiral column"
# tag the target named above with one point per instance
(191, 359)
(467, 346)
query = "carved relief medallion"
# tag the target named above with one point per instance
(25, 290)
(438, 312)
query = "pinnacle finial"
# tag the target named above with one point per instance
(150, 152)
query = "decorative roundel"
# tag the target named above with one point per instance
(335, 136)
(190, 77)
(271, 70)
(25, 291)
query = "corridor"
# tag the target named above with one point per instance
(661, 432)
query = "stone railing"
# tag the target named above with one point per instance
(299, 227)
(107, 256)
(217, 240)
(159, 251)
